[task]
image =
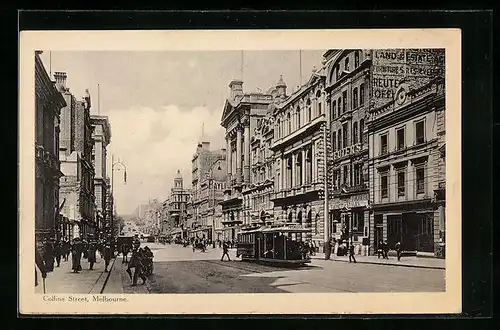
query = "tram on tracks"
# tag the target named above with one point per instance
(281, 245)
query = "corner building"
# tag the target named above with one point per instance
(347, 86)
(299, 150)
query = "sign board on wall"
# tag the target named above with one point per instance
(390, 67)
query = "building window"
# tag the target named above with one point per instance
(383, 144)
(420, 177)
(298, 165)
(320, 111)
(344, 101)
(309, 166)
(384, 187)
(361, 94)
(278, 124)
(355, 133)
(339, 105)
(401, 182)
(344, 177)
(358, 222)
(298, 117)
(346, 64)
(289, 172)
(400, 134)
(339, 139)
(333, 109)
(335, 179)
(344, 137)
(361, 129)
(356, 59)
(289, 121)
(334, 141)
(309, 111)
(357, 174)
(420, 132)
(355, 98)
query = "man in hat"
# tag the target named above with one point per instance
(76, 255)
(107, 255)
(91, 253)
(57, 252)
(41, 266)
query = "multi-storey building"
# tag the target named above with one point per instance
(179, 199)
(75, 155)
(208, 181)
(109, 211)
(258, 195)
(102, 137)
(299, 156)
(48, 103)
(347, 84)
(240, 115)
(406, 148)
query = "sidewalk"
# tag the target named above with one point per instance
(415, 262)
(63, 280)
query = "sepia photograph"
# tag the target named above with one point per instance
(206, 173)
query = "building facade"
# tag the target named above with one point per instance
(300, 128)
(208, 183)
(179, 199)
(347, 84)
(240, 115)
(102, 137)
(48, 104)
(75, 155)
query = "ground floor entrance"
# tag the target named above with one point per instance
(414, 230)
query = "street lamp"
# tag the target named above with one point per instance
(116, 164)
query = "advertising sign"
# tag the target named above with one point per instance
(391, 67)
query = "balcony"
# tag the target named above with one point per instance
(298, 191)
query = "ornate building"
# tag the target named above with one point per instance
(208, 182)
(347, 84)
(239, 118)
(299, 157)
(48, 104)
(75, 155)
(178, 203)
(102, 137)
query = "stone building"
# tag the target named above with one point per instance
(48, 103)
(179, 199)
(299, 158)
(406, 154)
(208, 182)
(347, 84)
(240, 115)
(75, 155)
(102, 137)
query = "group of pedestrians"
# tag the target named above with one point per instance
(383, 249)
(50, 252)
(141, 260)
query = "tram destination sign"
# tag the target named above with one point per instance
(391, 66)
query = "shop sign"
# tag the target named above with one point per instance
(392, 66)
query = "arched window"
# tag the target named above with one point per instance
(290, 216)
(298, 166)
(361, 129)
(289, 121)
(339, 105)
(318, 102)
(355, 98)
(356, 59)
(289, 172)
(346, 64)
(309, 166)
(333, 109)
(339, 139)
(334, 141)
(309, 111)
(362, 94)
(298, 117)
(355, 133)
(299, 217)
(278, 124)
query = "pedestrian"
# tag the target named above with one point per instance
(76, 255)
(351, 252)
(380, 249)
(65, 249)
(398, 250)
(91, 254)
(41, 266)
(386, 250)
(57, 252)
(107, 255)
(332, 246)
(48, 255)
(225, 249)
(328, 248)
(125, 249)
(136, 263)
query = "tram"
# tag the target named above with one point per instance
(274, 245)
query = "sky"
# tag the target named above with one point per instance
(157, 102)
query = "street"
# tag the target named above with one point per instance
(178, 269)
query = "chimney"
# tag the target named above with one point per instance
(236, 88)
(60, 80)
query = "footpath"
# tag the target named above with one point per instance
(415, 262)
(63, 280)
